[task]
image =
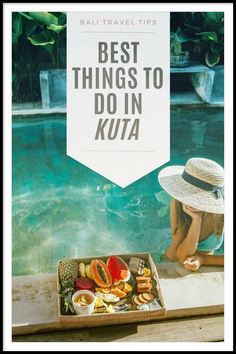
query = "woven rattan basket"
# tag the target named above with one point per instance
(104, 319)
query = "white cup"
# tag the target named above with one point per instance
(83, 310)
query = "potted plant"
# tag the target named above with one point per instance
(178, 57)
(203, 33)
(38, 44)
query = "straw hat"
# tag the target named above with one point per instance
(200, 184)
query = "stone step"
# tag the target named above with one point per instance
(35, 307)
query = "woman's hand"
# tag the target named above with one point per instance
(195, 214)
(193, 263)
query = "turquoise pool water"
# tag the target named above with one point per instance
(62, 208)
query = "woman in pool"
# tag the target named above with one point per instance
(196, 212)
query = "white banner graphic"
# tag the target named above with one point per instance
(118, 98)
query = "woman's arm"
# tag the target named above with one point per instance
(210, 259)
(189, 244)
(193, 263)
(177, 237)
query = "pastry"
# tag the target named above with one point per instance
(148, 297)
(143, 284)
(141, 279)
(143, 288)
(142, 299)
(136, 301)
(136, 265)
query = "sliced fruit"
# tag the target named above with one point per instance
(118, 268)
(110, 309)
(103, 290)
(100, 273)
(146, 272)
(99, 302)
(120, 285)
(82, 270)
(127, 288)
(110, 298)
(84, 283)
(88, 271)
(119, 293)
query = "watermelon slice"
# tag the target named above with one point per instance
(118, 268)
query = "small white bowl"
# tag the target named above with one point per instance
(83, 310)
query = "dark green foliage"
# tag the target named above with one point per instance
(66, 294)
(200, 33)
(38, 42)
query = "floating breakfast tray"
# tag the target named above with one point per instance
(131, 316)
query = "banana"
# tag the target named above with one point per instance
(82, 270)
(88, 271)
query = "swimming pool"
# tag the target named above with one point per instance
(62, 208)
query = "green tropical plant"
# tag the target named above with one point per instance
(201, 33)
(178, 56)
(38, 42)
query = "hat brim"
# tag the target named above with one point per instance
(170, 179)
